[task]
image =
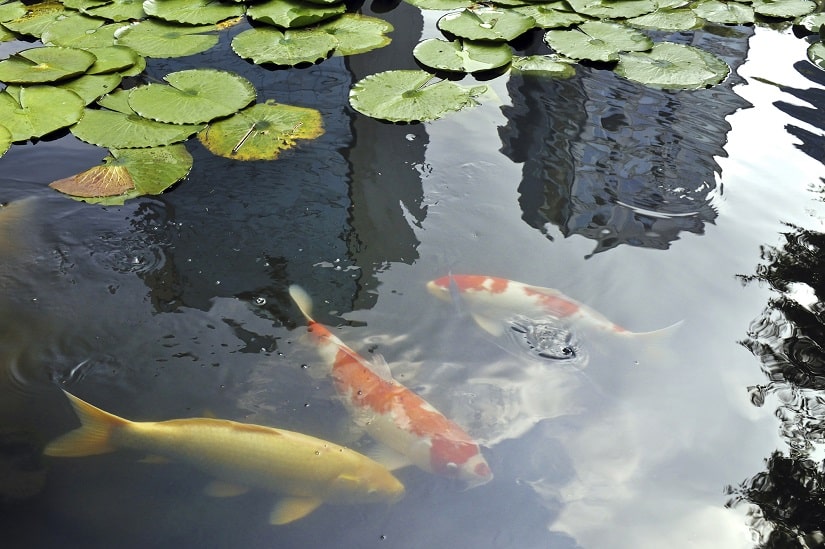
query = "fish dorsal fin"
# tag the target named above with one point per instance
(489, 325)
(223, 489)
(302, 300)
(293, 508)
(379, 367)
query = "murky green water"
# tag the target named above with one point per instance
(646, 205)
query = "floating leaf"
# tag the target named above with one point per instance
(192, 12)
(117, 101)
(84, 4)
(80, 31)
(157, 39)
(667, 19)
(127, 173)
(462, 56)
(117, 130)
(45, 64)
(113, 59)
(613, 9)
(292, 13)
(268, 45)
(409, 96)
(91, 86)
(441, 5)
(816, 53)
(193, 96)
(12, 10)
(262, 131)
(34, 111)
(730, 13)
(548, 65)
(5, 140)
(37, 18)
(673, 66)
(550, 16)
(597, 41)
(784, 9)
(486, 24)
(118, 10)
(812, 23)
(357, 33)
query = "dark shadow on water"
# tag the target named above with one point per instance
(618, 162)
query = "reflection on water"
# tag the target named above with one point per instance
(619, 163)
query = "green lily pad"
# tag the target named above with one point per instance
(12, 10)
(118, 130)
(816, 54)
(127, 173)
(262, 131)
(34, 111)
(159, 39)
(673, 66)
(192, 12)
(84, 4)
(613, 9)
(80, 31)
(113, 59)
(118, 10)
(357, 33)
(410, 96)
(812, 23)
(117, 101)
(37, 18)
(728, 13)
(597, 41)
(462, 56)
(486, 24)
(92, 86)
(292, 13)
(441, 5)
(45, 64)
(5, 140)
(545, 65)
(668, 19)
(269, 45)
(784, 9)
(550, 16)
(193, 96)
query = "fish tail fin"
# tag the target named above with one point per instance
(302, 300)
(94, 436)
(655, 345)
(662, 334)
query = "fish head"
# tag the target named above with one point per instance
(461, 460)
(441, 288)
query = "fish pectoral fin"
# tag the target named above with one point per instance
(489, 325)
(388, 457)
(293, 508)
(379, 366)
(223, 489)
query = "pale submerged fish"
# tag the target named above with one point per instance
(305, 470)
(391, 413)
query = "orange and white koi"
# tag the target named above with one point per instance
(391, 413)
(305, 470)
(492, 301)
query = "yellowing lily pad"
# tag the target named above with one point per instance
(37, 18)
(34, 111)
(262, 131)
(45, 64)
(5, 140)
(128, 173)
(193, 96)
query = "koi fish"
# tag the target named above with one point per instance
(391, 413)
(306, 470)
(492, 300)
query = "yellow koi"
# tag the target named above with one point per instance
(306, 470)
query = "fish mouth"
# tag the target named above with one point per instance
(438, 290)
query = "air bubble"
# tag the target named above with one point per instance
(260, 301)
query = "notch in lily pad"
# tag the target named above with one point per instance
(262, 131)
(673, 66)
(34, 111)
(45, 64)
(462, 55)
(128, 173)
(485, 23)
(287, 48)
(410, 96)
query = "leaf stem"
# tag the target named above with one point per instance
(244, 138)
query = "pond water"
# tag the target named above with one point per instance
(651, 207)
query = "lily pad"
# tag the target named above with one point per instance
(262, 131)
(668, 19)
(80, 31)
(729, 13)
(462, 56)
(269, 45)
(192, 12)
(5, 140)
(45, 64)
(812, 23)
(84, 4)
(410, 96)
(34, 111)
(118, 10)
(441, 5)
(159, 39)
(113, 59)
(613, 9)
(784, 9)
(597, 41)
(357, 33)
(550, 16)
(292, 13)
(92, 86)
(12, 10)
(546, 65)
(37, 18)
(118, 130)
(486, 24)
(816, 54)
(673, 66)
(193, 96)
(127, 173)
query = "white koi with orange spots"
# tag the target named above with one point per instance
(492, 302)
(391, 413)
